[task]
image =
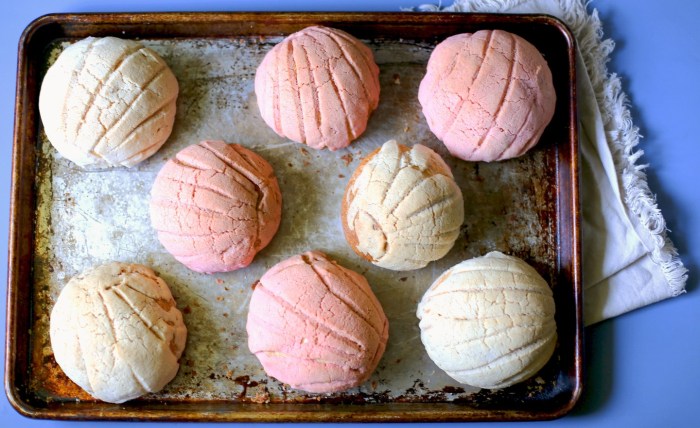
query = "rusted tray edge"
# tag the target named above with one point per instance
(572, 212)
(22, 228)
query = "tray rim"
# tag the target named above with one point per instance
(21, 237)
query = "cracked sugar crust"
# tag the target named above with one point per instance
(402, 208)
(108, 102)
(116, 332)
(489, 321)
(316, 325)
(318, 87)
(487, 96)
(215, 206)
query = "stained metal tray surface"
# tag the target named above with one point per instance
(65, 219)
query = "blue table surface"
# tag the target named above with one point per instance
(642, 368)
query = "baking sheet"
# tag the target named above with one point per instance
(88, 217)
(528, 207)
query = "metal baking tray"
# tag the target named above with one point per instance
(65, 219)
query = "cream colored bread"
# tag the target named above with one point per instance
(402, 208)
(115, 331)
(489, 321)
(108, 102)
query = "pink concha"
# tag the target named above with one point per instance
(318, 87)
(316, 325)
(215, 205)
(487, 96)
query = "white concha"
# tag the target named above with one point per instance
(115, 331)
(108, 102)
(402, 208)
(489, 321)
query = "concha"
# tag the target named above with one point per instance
(316, 325)
(215, 206)
(116, 332)
(402, 208)
(489, 321)
(488, 96)
(108, 102)
(318, 87)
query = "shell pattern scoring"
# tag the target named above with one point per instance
(318, 87)
(215, 205)
(316, 325)
(402, 208)
(488, 96)
(489, 321)
(108, 102)
(116, 332)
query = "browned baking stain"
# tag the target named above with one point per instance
(347, 158)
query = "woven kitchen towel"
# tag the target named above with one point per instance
(628, 261)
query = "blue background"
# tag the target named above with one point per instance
(643, 368)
